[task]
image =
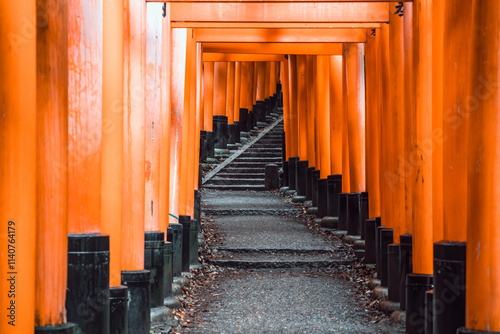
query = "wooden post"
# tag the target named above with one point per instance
(373, 150)
(134, 136)
(230, 92)
(237, 91)
(18, 163)
(336, 113)
(483, 218)
(112, 134)
(286, 108)
(302, 116)
(52, 161)
(323, 108)
(191, 167)
(422, 152)
(153, 126)
(261, 81)
(409, 116)
(355, 104)
(165, 121)
(267, 76)
(309, 121)
(294, 121)
(208, 97)
(177, 88)
(220, 82)
(394, 126)
(346, 183)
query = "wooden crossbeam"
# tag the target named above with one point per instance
(207, 35)
(275, 48)
(241, 57)
(276, 25)
(279, 12)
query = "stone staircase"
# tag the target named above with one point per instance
(247, 170)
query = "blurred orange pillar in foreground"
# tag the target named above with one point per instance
(483, 196)
(52, 160)
(18, 163)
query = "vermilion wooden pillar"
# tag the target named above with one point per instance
(191, 166)
(394, 126)
(355, 104)
(437, 119)
(310, 119)
(336, 113)
(302, 116)
(220, 81)
(294, 122)
(267, 81)
(52, 161)
(346, 183)
(410, 169)
(177, 88)
(18, 161)
(483, 196)
(286, 108)
(237, 91)
(230, 92)
(373, 151)
(260, 94)
(323, 111)
(153, 126)
(385, 106)
(255, 82)
(272, 78)
(134, 136)
(457, 107)
(251, 88)
(208, 96)
(422, 186)
(112, 134)
(199, 119)
(310, 108)
(165, 121)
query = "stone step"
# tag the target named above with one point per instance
(241, 170)
(235, 187)
(261, 165)
(227, 181)
(241, 175)
(261, 155)
(264, 159)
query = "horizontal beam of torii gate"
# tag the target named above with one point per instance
(275, 48)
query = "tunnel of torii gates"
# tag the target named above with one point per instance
(105, 104)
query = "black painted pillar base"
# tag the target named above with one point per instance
(334, 188)
(168, 276)
(87, 292)
(378, 233)
(370, 230)
(118, 304)
(244, 120)
(429, 297)
(343, 212)
(174, 235)
(322, 198)
(185, 221)
(363, 213)
(406, 265)
(292, 169)
(66, 328)
(386, 238)
(193, 243)
(285, 174)
(203, 146)
(449, 286)
(197, 204)
(309, 183)
(154, 262)
(237, 132)
(416, 286)
(139, 295)
(283, 146)
(393, 272)
(315, 179)
(353, 209)
(301, 178)
(220, 131)
(231, 130)
(271, 177)
(210, 145)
